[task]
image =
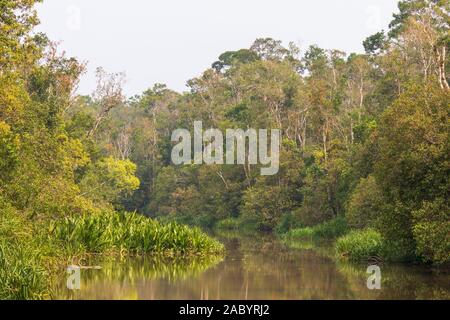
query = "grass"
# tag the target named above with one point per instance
(24, 272)
(328, 230)
(228, 224)
(360, 246)
(132, 233)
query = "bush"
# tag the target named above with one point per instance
(360, 245)
(432, 231)
(331, 229)
(287, 222)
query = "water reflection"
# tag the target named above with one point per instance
(255, 268)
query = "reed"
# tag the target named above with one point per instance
(133, 233)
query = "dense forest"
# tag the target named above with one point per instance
(364, 155)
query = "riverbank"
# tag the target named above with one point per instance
(357, 245)
(349, 244)
(34, 253)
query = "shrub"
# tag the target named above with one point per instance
(287, 222)
(331, 229)
(360, 245)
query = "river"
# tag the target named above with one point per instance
(254, 267)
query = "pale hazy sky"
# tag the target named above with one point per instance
(172, 41)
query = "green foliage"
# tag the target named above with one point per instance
(109, 179)
(228, 224)
(287, 222)
(360, 245)
(306, 233)
(331, 229)
(413, 161)
(22, 273)
(134, 233)
(365, 204)
(375, 43)
(264, 205)
(365, 137)
(23, 270)
(431, 231)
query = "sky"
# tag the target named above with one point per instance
(172, 41)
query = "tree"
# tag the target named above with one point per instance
(375, 43)
(412, 168)
(107, 95)
(109, 179)
(269, 49)
(229, 58)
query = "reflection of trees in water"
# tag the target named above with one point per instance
(120, 278)
(398, 281)
(270, 270)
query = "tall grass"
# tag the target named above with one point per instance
(328, 230)
(360, 246)
(133, 233)
(23, 273)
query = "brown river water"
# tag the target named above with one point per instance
(254, 267)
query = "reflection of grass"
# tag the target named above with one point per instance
(397, 281)
(121, 270)
(322, 247)
(156, 267)
(301, 245)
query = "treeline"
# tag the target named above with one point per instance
(365, 137)
(59, 189)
